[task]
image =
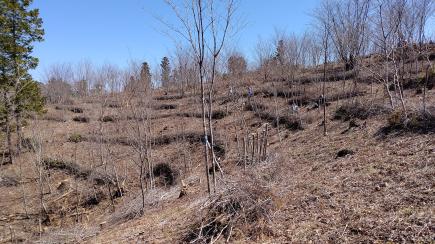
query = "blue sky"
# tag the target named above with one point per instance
(116, 31)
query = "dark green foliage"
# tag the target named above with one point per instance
(29, 98)
(20, 27)
(166, 71)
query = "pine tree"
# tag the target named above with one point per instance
(145, 75)
(280, 52)
(20, 27)
(166, 71)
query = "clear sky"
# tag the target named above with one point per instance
(116, 31)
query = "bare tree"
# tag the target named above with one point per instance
(184, 74)
(348, 24)
(59, 78)
(264, 55)
(205, 26)
(387, 18)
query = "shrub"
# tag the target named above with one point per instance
(76, 110)
(413, 122)
(68, 167)
(108, 118)
(113, 105)
(344, 153)
(166, 174)
(166, 107)
(75, 138)
(81, 119)
(219, 114)
(93, 199)
(30, 144)
(54, 117)
(245, 206)
(8, 181)
(166, 97)
(290, 122)
(358, 111)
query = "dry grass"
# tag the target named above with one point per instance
(310, 188)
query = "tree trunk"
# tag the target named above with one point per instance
(19, 131)
(8, 126)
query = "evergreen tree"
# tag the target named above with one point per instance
(145, 76)
(166, 71)
(20, 27)
(280, 52)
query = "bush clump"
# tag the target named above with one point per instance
(76, 110)
(166, 107)
(358, 111)
(290, 122)
(93, 199)
(108, 118)
(344, 152)
(246, 207)
(413, 122)
(75, 138)
(68, 167)
(165, 173)
(8, 181)
(81, 119)
(113, 105)
(30, 144)
(54, 117)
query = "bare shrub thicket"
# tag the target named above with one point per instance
(243, 207)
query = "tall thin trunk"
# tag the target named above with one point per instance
(8, 126)
(425, 87)
(19, 131)
(325, 63)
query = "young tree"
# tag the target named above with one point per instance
(20, 27)
(205, 26)
(388, 16)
